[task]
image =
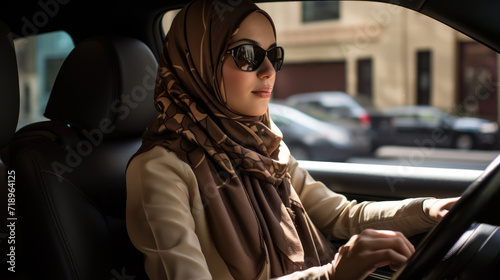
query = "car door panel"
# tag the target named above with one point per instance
(387, 182)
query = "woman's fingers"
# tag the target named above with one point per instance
(436, 209)
(394, 243)
(388, 257)
(391, 239)
(371, 249)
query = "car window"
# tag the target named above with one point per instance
(431, 118)
(317, 111)
(407, 85)
(39, 59)
(408, 121)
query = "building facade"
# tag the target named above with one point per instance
(384, 56)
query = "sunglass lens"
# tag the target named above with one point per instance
(249, 57)
(276, 58)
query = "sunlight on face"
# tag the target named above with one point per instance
(248, 93)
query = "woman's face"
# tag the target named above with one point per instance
(248, 93)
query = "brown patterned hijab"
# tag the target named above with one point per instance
(251, 208)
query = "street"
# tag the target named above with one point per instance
(429, 157)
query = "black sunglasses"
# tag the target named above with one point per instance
(250, 57)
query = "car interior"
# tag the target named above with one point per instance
(89, 127)
(67, 195)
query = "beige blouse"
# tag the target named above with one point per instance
(166, 219)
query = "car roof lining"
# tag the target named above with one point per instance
(22, 15)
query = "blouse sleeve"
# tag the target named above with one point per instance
(160, 221)
(333, 214)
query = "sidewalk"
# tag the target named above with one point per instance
(436, 153)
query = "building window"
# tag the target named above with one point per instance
(365, 84)
(424, 75)
(320, 11)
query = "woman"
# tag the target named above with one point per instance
(213, 193)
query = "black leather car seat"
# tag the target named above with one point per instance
(71, 169)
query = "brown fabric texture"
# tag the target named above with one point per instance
(251, 208)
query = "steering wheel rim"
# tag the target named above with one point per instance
(442, 237)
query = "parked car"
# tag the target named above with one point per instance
(312, 139)
(342, 109)
(333, 106)
(426, 125)
(63, 179)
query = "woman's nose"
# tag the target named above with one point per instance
(266, 70)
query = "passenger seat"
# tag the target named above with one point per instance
(71, 169)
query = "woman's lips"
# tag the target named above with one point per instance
(263, 92)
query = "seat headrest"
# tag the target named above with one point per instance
(106, 83)
(9, 86)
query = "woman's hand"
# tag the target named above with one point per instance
(436, 209)
(371, 249)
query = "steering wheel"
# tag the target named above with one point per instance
(477, 204)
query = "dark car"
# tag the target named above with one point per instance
(62, 182)
(426, 125)
(312, 139)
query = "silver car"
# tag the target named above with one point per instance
(311, 139)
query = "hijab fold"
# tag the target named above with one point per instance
(251, 208)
